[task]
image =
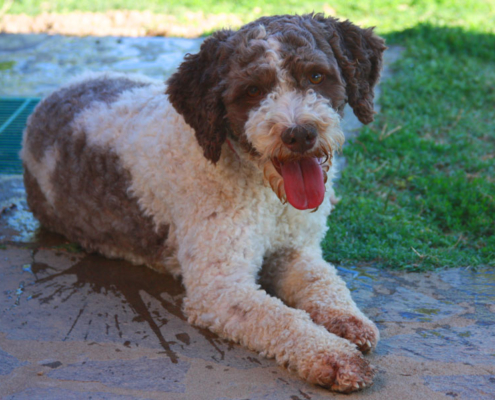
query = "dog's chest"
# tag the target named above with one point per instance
(180, 188)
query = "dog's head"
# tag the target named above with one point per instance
(278, 87)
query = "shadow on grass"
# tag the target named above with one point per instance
(452, 40)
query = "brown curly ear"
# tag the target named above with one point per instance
(195, 91)
(359, 53)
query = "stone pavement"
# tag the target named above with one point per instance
(35, 65)
(79, 326)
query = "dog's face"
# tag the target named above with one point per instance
(278, 87)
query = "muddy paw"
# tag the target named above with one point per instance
(341, 372)
(363, 333)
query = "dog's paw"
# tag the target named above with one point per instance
(340, 372)
(362, 332)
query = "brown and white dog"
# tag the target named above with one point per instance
(224, 177)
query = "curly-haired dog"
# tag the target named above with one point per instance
(222, 173)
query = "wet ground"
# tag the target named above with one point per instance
(79, 326)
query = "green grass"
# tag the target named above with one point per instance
(419, 189)
(424, 195)
(6, 65)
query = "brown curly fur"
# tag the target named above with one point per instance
(363, 335)
(359, 54)
(201, 89)
(196, 89)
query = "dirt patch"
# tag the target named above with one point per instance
(119, 23)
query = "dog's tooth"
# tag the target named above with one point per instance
(368, 343)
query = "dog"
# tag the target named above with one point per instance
(222, 176)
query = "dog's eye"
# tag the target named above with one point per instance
(315, 78)
(253, 91)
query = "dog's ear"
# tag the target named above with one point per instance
(195, 91)
(359, 53)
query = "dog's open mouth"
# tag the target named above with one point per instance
(304, 181)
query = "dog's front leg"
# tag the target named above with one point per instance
(219, 271)
(305, 281)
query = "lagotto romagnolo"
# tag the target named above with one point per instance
(223, 176)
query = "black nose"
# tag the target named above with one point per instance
(300, 138)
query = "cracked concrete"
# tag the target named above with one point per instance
(79, 326)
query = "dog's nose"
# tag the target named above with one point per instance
(300, 138)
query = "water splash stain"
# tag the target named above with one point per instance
(126, 281)
(184, 338)
(212, 338)
(121, 279)
(36, 268)
(18, 227)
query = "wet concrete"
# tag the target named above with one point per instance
(78, 326)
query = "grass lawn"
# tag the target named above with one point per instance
(419, 189)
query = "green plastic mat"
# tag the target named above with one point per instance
(13, 115)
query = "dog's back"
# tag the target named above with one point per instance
(80, 189)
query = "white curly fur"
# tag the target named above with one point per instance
(228, 230)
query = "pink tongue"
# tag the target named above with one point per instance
(303, 183)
